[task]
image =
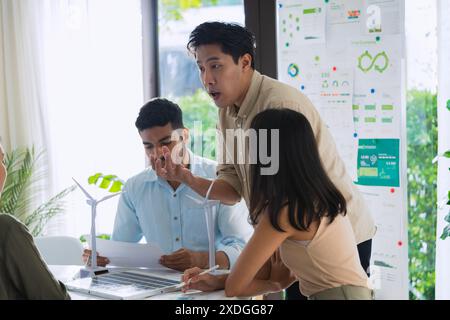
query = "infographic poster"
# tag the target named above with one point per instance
(302, 22)
(379, 162)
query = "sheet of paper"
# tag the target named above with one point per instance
(344, 12)
(301, 22)
(377, 91)
(383, 16)
(389, 249)
(335, 108)
(344, 21)
(130, 255)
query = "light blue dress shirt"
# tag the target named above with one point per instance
(171, 219)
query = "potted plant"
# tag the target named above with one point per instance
(25, 173)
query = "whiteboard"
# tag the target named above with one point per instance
(348, 57)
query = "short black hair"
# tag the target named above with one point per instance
(301, 182)
(158, 112)
(234, 39)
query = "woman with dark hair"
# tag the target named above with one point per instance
(301, 228)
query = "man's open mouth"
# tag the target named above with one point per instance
(214, 94)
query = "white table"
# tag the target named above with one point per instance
(68, 273)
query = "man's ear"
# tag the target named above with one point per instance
(185, 135)
(246, 61)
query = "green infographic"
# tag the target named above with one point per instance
(379, 162)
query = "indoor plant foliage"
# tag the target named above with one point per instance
(422, 192)
(446, 232)
(24, 185)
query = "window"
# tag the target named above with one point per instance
(179, 78)
(93, 63)
(421, 39)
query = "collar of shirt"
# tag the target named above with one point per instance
(250, 98)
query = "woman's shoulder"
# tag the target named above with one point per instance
(7, 221)
(10, 225)
(296, 234)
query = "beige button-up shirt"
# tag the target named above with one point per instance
(265, 93)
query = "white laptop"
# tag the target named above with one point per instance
(124, 285)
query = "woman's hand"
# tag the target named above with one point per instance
(205, 282)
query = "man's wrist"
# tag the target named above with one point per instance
(200, 259)
(187, 177)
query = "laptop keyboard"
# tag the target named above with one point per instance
(140, 281)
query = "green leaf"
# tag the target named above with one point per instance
(110, 177)
(105, 183)
(447, 154)
(48, 210)
(93, 179)
(100, 236)
(25, 169)
(448, 105)
(447, 218)
(107, 180)
(116, 187)
(446, 233)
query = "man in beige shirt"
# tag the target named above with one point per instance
(225, 56)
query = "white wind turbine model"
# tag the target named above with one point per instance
(210, 216)
(92, 269)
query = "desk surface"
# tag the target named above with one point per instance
(68, 273)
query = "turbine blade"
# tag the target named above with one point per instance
(84, 191)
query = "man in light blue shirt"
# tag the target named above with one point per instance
(165, 212)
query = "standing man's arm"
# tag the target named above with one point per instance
(222, 189)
